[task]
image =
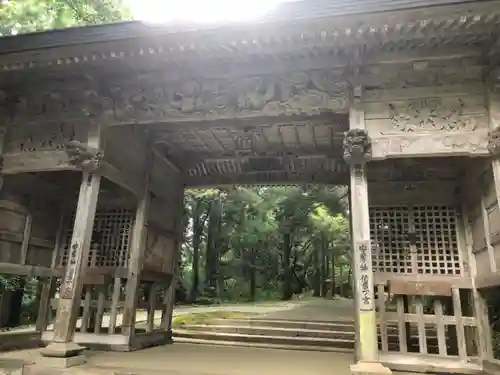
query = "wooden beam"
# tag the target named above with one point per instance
(121, 178)
(18, 238)
(39, 161)
(168, 162)
(24, 270)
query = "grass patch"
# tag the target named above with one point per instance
(203, 318)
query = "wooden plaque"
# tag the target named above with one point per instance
(420, 288)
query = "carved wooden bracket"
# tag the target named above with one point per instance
(494, 142)
(83, 156)
(357, 147)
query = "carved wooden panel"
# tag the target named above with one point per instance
(48, 136)
(425, 115)
(435, 144)
(150, 98)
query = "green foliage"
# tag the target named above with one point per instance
(264, 241)
(24, 16)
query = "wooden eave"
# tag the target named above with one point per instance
(465, 24)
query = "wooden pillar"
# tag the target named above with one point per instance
(137, 250)
(493, 104)
(49, 284)
(167, 313)
(71, 287)
(357, 151)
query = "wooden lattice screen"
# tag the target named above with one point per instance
(416, 239)
(111, 239)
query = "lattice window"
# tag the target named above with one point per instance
(111, 239)
(388, 227)
(433, 249)
(436, 240)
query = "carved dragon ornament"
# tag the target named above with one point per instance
(494, 142)
(83, 156)
(357, 147)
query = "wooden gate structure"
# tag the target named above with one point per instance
(104, 127)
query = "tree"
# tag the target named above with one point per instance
(24, 16)
(265, 242)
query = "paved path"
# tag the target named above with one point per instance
(192, 359)
(141, 315)
(311, 309)
(324, 310)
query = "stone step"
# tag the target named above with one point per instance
(345, 326)
(263, 345)
(275, 340)
(271, 331)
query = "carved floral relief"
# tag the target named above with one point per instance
(32, 137)
(431, 144)
(431, 114)
(150, 97)
(296, 93)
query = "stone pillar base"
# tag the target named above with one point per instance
(62, 355)
(370, 368)
(61, 362)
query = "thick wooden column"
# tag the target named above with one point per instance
(49, 284)
(168, 310)
(493, 104)
(137, 250)
(71, 288)
(357, 151)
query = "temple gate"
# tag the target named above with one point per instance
(104, 127)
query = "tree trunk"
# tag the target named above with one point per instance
(325, 266)
(287, 280)
(197, 232)
(321, 267)
(316, 268)
(253, 276)
(327, 274)
(341, 280)
(334, 283)
(212, 255)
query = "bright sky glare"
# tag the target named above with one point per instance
(206, 11)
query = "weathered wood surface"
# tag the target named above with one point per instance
(137, 249)
(110, 42)
(72, 285)
(423, 288)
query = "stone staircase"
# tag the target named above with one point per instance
(269, 333)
